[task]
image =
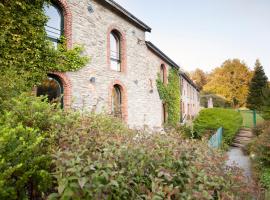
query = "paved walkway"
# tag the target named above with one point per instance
(237, 157)
(236, 154)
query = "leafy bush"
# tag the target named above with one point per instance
(260, 151)
(116, 163)
(265, 178)
(212, 119)
(27, 133)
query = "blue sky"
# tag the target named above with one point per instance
(204, 33)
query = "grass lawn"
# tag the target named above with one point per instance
(248, 118)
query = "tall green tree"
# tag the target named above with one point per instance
(257, 85)
(266, 104)
(26, 56)
(231, 81)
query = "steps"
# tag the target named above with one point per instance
(242, 138)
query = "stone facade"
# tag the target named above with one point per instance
(140, 66)
(190, 99)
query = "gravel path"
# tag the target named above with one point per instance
(237, 157)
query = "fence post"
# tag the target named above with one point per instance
(254, 118)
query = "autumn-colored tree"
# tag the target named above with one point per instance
(231, 80)
(199, 77)
(258, 83)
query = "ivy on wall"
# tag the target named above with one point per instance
(26, 55)
(170, 95)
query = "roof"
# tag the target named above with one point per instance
(127, 14)
(191, 82)
(162, 55)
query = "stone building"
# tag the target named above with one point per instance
(190, 98)
(121, 77)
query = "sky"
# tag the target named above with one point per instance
(205, 33)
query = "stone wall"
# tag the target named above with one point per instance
(190, 98)
(143, 105)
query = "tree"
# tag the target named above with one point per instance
(266, 103)
(231, 80)
(199, 77)
(26, 56)
(258, 83)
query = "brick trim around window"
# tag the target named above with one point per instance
(165, 68)
(123, 48)
(124, 105)
(67, 88)
(67, 21)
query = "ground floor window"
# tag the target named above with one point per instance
(52, 87)
(164, 113)
(117, 101)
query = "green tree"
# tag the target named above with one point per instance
(266, 103)
(199, 77)
(258, 83)
(26, 56)
(231, 81)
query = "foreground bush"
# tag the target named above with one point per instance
(28, 126)
(115, 163)
(46, 150)
(260, 151)
(209, 120)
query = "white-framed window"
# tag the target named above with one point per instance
(115, 51)
(55, 24)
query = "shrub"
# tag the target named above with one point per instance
(260, 151)
(117, 163)
(27, 130)
(265, 178)
(212, 119)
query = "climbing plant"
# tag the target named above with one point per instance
(26, 56)
(170, 95)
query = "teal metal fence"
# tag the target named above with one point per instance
(251, 118)
(216, 140)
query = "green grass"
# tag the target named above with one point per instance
(248, 118)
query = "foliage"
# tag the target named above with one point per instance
(199, 77)
(265, 178)
(259, 150)
(258, 83)
(266, 103)
(231, 80)
(212, 119)
(112, 164)
(26, 56)
(170, 94)
(27, 130)
(218, 101)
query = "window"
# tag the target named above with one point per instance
(54, 26)
(163, 74)
(115, 54)
(164, 113)
(117, 102)
(52, 88)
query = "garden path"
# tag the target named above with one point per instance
(236, 154)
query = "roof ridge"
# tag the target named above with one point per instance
(130, 16)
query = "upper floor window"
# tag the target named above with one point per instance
(115, 54)
(54, 27)
(163, 73)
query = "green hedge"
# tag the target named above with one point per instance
(214, 118)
